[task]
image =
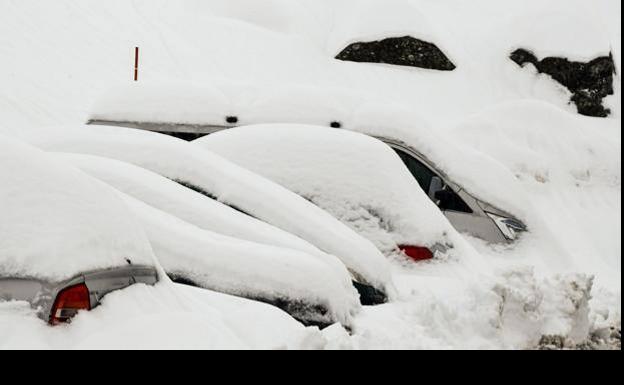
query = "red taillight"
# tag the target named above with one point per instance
(68, 302)
(417, 253)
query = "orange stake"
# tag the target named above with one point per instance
(136, 64)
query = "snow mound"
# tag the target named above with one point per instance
(287, 42)
(569, 167)
(58, 222)
(212, 104)
(306, 287)
(186, 204)
(358, 179)
(230, 184)
(161, 317)
(559, 31)
(375, 20)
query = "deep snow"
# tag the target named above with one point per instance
(188, 205)
(251, 270)
(356, 178)
(57, 222)
(163, 317)
(59, 57)
(230, 184)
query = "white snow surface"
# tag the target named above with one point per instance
(251, 270)
(188, 205)
(57, 222)
(162, 317)
(231, 184)
(358, 179)
(59, 57)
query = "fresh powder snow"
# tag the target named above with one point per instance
(508, 135)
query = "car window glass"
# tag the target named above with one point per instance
(452, 202)
(423, 174)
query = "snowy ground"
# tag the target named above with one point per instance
(562, 282)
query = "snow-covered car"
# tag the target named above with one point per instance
(203, 243)
(67, 240)
(218, 179)
(80, 250)
(426, 154)
(358, 179)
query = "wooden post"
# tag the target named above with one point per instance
(136, 64)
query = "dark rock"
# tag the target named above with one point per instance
(402, 51)
(589, 82)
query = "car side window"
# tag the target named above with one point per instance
(422, 173)
(448, 199)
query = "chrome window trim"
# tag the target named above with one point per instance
(99, 282)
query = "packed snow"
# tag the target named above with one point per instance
(507, 134)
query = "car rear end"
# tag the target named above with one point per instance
(59, 302)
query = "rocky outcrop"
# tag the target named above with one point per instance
(402, 51)
(589, 82)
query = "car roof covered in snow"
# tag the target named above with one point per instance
(223, 180)
(384, 118)
(58, 222)
(358, 179)
(184, 203)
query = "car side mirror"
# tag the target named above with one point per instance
(437, 185)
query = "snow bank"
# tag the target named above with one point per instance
(358, 179)
(287, 42)
(212, 104)
(58, 222)
(295, 43)
(515, 309)
(570, 169)
(310, 289)
(230, 184)
(161, 317)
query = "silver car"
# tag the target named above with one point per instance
(59, 302)
(466, 213)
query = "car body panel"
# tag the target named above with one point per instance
(41, 294)
(478, 223)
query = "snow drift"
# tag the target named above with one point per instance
(358, 179)
(57, 222)
(304, 286)
(230, 184)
